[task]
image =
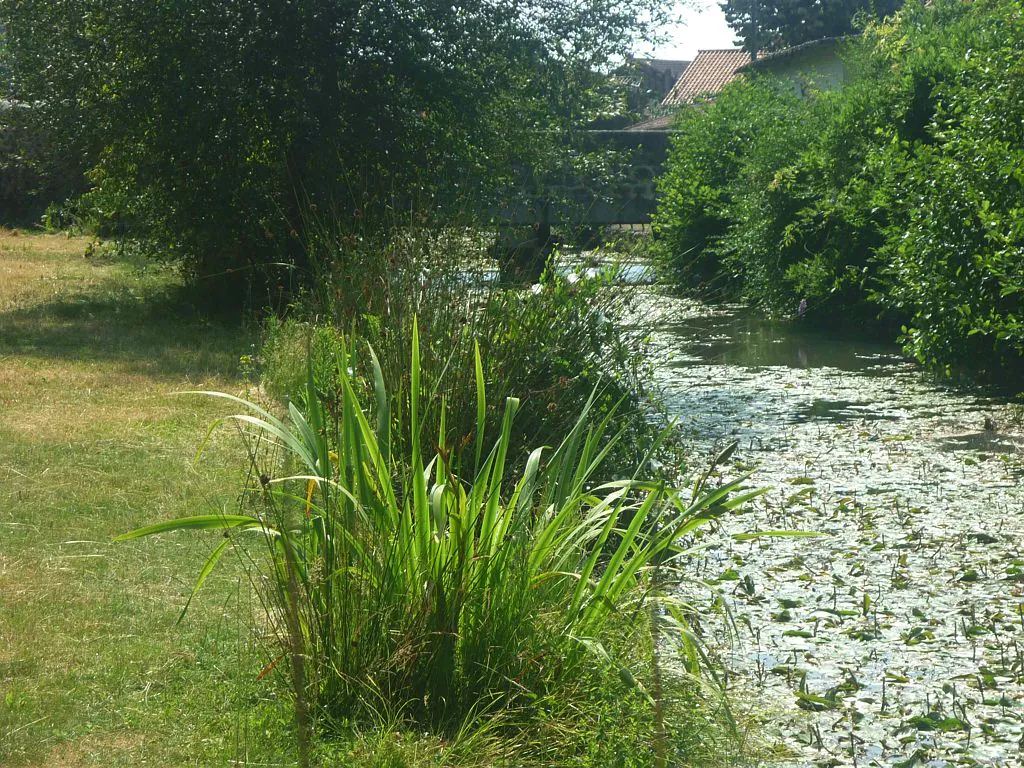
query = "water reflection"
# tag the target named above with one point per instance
(622, 273)
(982, 442)
(839, 411)
(739, 337)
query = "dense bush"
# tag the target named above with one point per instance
(894, 200)
(953, 258)
(32, 174)
(709, 149)
(210, 126)
(552, 346)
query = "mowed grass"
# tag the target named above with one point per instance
(93, 442)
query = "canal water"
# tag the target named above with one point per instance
(896, 637)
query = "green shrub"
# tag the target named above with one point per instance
(551, 345)
(785, 213)
(207, 125)
(952, 257)
(33, 172)
(710, 147)
(764, 195)
(894, 200)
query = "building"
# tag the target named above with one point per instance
(705, 76)
(646, 83)
(811, 66)
(708, 73)
(656, 77)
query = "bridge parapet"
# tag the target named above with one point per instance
(629, 199)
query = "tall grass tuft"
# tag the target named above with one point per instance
(432, 585)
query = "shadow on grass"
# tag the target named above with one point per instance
(160, 333)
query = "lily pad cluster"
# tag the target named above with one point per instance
(897, 639)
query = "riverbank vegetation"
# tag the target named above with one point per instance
(420, 588)
(892, 203)
(331, 175)
(553, 345)
(97, 667)
(214, 133)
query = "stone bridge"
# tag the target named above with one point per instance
(628, 200)
(524, 239)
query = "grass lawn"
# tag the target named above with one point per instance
(94, 442)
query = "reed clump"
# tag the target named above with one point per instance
(455, 587)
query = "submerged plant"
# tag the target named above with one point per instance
(436, 587)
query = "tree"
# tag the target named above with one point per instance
(210, 128)
(769, 25)
(892, 203)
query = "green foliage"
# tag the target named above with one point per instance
(953, 250)
(771, 25)
(31, 174)
(33, 171)
(795, 215)
(894, 200)
(400, 583)
(210, 126)
(552, 346)
(761, 192)
(707, 170)
(16, 179)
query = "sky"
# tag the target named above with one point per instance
(703, 27)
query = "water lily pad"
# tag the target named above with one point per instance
(933, 721)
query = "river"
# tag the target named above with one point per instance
(897, 637)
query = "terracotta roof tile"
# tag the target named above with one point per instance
(708, 73)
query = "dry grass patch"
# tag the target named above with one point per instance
(93, 669)
(76, 414)
(95, 751)
(35, 266)
(23, 581)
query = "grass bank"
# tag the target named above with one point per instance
(93, 441)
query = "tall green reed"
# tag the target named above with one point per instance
(439, 585)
